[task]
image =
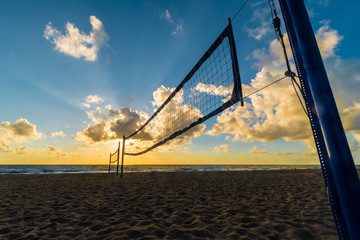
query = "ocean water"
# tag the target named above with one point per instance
(70, 169)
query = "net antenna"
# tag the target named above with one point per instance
(211, 86)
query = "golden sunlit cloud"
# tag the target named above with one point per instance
(222, 148)
(21, 131)
(58, 134)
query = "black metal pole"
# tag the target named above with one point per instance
(117, 168)
(337, 164)
(122, 157)
(109, 163)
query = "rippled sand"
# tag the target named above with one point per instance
(202, 205)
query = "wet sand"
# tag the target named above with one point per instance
(194, 205)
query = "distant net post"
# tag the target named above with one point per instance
(114, 158)
(122, 156)
(117, 168)
(109, 163)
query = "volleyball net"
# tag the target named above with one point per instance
(211, 86)
(114, 158)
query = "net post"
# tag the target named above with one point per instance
(122, 157)
(117, 168)
(337, 164)
(237, 93)
(109, 163)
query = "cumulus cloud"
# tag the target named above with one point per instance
(75, 43)
(21, 131)
(21, 128)
(114, 124)
(94, 99)
(174, 117)
(346, 87)
(327, 39)
(108, 107)
(273, 114)
(5, 146)
(223, 148)
(94, 133)
(128, 123)
(58, 134)
(214, 90)
(351, 117)
(58, 152)
(256, 150)
(85, 105)
(21, 150)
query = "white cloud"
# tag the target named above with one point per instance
(86, 105)
(75, 43)
(179, 29)
(261, 21)
(94, 99)
(214, 90)
(167, 16)
(223, 148)
(174, 117)
(176, 23)
(58, 134)
(260, 31)
(256, 150)
(5, 146)
(21, 131)
(108, 107)
(327, 39)
(21, 150)
(58, 152)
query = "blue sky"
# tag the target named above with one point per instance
(53, 88)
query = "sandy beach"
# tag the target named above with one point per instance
(193, 205)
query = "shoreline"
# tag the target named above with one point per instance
(73, 169)
(182, 205)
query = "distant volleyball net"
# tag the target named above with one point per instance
(211, 86)
(114, 159)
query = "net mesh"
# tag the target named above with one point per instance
(114, 157)
(209, 88)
